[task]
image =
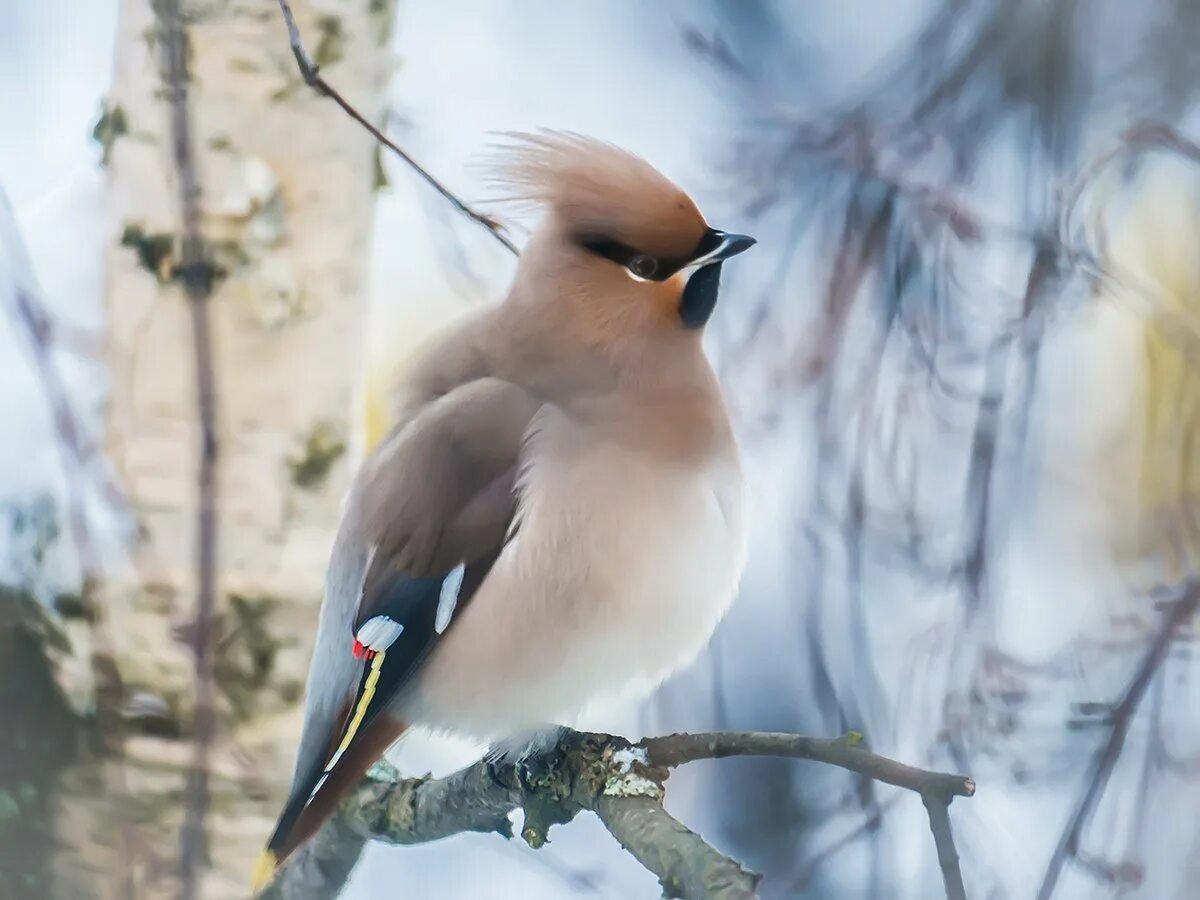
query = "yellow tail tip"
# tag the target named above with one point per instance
(264, 871)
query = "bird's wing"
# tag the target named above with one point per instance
(430, 511)
(437, 516)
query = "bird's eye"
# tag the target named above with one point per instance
(643, 266)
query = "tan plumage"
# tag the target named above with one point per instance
(575, 178)
(563, 477)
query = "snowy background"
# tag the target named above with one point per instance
(862, 608)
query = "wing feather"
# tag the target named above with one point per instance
(439, 500)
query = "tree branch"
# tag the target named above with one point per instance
(685, 865)
(311, 74)
(77, 447)
(620, 782)
(938, 808)
(1178, 613)
(677, 749)
(197, 275)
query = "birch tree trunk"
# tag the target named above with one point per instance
(287, 193)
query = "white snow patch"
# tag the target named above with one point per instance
(626, 758)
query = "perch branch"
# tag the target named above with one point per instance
(622, 783)
(197, 276)
(677, 749)
(685, 865)
(311, 74)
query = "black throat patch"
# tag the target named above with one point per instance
(700, 296)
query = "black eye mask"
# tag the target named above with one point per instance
(700, 295)
(644, 265)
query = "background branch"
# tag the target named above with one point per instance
(68, 429)
(1177, 614)
(197, 275)
(939, 823)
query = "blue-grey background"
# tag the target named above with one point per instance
(930, 451)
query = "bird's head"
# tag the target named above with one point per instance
(621, 250)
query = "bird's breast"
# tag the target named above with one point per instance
(621, 567)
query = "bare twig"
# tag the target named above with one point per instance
(938, 807)
(45, 334)
(677, 749)
(936, 789)
(66, 426)
(197, 276)
(78, 449)
(310, 72)
(622, 783)
(1122, 716)
(855, 150)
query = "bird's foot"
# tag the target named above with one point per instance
(532, 756)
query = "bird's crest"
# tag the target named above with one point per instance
(595, 187)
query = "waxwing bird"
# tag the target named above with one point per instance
(558, 516)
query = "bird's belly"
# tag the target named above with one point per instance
(615, 579)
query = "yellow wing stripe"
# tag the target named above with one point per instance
(264, 870)
(360, 710)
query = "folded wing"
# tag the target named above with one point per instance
(428, 515)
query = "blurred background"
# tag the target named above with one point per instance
(962, 363)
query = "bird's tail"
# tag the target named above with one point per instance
(365, 736)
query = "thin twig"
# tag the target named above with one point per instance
(1122, 717)
(45, 334)
(310, 72)
(677, 749)
(197, 276)
(938, 807)
(68, 429)
(77, 450)
(853, 151)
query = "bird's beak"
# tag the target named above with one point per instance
(718, 246)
